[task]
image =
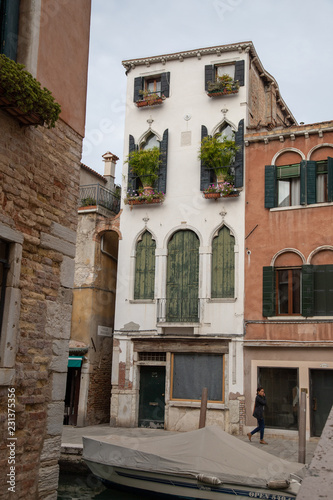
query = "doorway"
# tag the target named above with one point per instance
(282, 392)
(321, 399)
(72, 396)
(152, 397)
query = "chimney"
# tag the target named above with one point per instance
(110, 169)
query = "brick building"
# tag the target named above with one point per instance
(88, 390)
(39, 188)
(288, 344)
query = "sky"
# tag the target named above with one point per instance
(292, 39)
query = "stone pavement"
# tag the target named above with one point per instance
(278, 446)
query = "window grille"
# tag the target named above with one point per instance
(152, 356)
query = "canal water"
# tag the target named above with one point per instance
(86, 487)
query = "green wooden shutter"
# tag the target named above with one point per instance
(239, 159)
(307, 291)
(268, 292)
(330, 179)
(144, 284)
(270, 186)
(209, 75)
(206, 174)
(138, 85)
(323, 290)
(223, 265)
(165, 84)
(240, 72)
(162, 176)
(311, 182)
(9, 19)
(182, 277)
(303, 182)
(329, 290)
(132, 178)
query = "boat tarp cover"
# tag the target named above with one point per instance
(209, 451)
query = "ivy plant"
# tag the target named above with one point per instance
(21, 89)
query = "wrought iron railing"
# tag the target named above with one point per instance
(178, 310)
(94, 194)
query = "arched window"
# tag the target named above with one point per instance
(226, 131)
(223, 265)
(150, 142)
(182, 287)
(145, 267)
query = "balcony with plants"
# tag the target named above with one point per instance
(218, 154)
(222, 86)
(93, 196)
(22, 96)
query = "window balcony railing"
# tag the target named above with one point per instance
(178, 310)
(96, 195)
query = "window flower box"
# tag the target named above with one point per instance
(22, 96)
(144, 198)
(220, 190)
(218, 93)
(224, 85)
(212, 196)
(149, 99)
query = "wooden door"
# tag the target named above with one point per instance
(151, 399)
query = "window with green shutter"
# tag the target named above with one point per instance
(290, 291)
(145, 267)
(223, 265)
(304, 183)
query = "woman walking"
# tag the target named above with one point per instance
(258, 413)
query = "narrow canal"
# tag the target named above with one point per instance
(86, 487)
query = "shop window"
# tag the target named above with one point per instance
(282, 394)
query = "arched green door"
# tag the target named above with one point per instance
(182, 287)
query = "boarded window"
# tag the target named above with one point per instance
(193, 371)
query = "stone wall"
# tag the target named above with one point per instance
(39, 185)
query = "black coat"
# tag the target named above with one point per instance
(259, 406)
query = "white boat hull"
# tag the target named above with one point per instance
(181, 486)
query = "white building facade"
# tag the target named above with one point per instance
(180, 289)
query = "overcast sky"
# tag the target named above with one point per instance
(293, 39)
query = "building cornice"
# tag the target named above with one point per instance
(290, 133)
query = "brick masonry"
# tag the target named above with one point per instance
(39, 186)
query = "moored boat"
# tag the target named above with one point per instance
(207, 464)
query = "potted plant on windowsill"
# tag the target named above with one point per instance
(22, 96)
(145, 163)
(224, 85)
(218, 153)
(149, 98)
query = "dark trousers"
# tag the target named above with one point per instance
(261, 428)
